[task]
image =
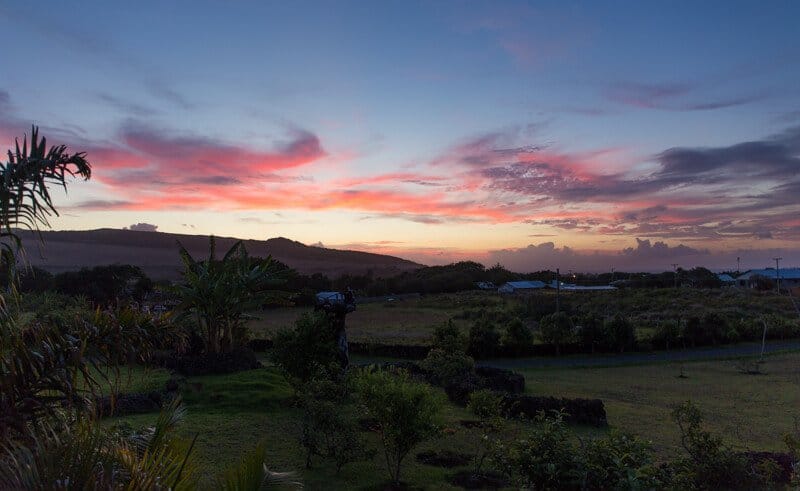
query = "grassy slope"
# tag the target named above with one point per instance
(231, 413)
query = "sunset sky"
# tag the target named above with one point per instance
(580, 135)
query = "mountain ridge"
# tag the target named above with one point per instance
(157, 252)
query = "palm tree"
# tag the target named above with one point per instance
(25, 201)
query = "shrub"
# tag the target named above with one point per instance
(517, 339)
(667, 334)
(590, 332)
(447, 360)
(328, 429)
(620, 333)
(488, 407)
(307, 351)
(406, 413)
(446, 366)
(709, 464)
(618, 461)
(543, 460)
(556, 329)
(483, 339)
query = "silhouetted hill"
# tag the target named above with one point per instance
(157, 253)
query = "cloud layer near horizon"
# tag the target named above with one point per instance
(746, 190)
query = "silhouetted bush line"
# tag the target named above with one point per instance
(237, 360)
(590, 412)
(783, 461)
(410, 351)
(130, 403)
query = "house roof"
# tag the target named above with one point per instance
(771, 273)
(725, 278)
(523, 285)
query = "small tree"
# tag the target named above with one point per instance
(590, 332)
(517, 339)
(447, 360)
(618, 461)
(544, 460)
(556, 329)
(488, 407)
(709, 464)
(307, 351)
(620, 333)
(483, 339)
(406, 413)
(329, 430)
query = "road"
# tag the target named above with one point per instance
(606, 360)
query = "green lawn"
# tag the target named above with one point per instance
(750, 410)
(231, 413)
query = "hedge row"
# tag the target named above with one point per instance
(577, 411)
(209, 363)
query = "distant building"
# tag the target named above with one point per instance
(568, 287)
(790, 277)
(485, 285)
(519, 286)
(726, 279)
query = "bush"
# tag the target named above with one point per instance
(517, 339)
(667, 334)
(590, 332)
(709, 464)
(488, 407)
(483, 339)
(556, 329)
(618, 461)
(711, 328)
(620, 333)
(328, 429)
(446, 366)
(544, 460)
(406, 413)
(307, 351)
(577, 411)
(447, 360)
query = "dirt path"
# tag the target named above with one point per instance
(706, 353)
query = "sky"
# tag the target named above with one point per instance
(580, 135)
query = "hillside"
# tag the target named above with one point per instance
(157, 253)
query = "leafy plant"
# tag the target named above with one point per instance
(80, 454)
(618, 461)
(709, 463)
(406, 413)
(487, 406)
(517, 338)
(556, 329)
(218, 292)
(447, 360)
(329, 429)
(25, 201)
(544, 460)
(308, 351)
(483, 339)
(620, 333)
(252, 474)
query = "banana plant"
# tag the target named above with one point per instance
(219, 292)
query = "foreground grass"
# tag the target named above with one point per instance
(232, 413)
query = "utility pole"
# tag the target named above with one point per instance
(737, 265)
(777, 273)
(675, 275)
(558, 289)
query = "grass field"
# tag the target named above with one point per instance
(412, 321)
(231, 413)
(403, 322)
